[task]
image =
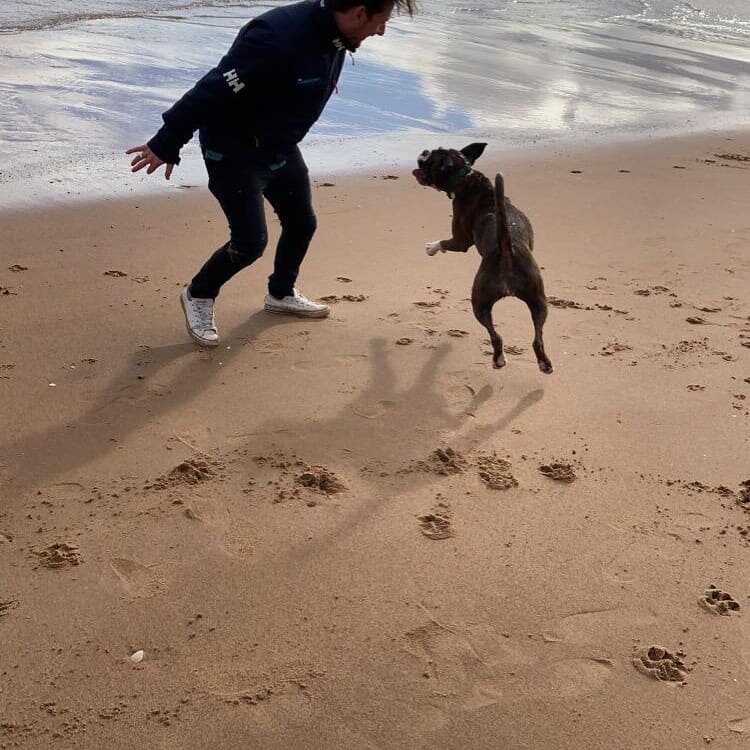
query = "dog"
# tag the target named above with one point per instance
(484, 217)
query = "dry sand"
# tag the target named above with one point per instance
(355, 533)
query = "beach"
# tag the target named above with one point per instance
(355, 533)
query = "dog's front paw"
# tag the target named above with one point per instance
(432, 247)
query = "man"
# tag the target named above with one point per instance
(251, 111)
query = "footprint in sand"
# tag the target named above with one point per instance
(437, 525)
(560, 472)
(452, 669)
(578, 676)
(566, 304)
(7, 605)
(590, 627)
(321, 479)
(446, 461)
(137, 580)
(333, 299)
(59, 555)
(192, 471)
(657, 662)
(718, 602)
(743, 499)
(241, 684)
(614, 347)
(373, 411)
(740, 726)
(733, 157)
(62, 491)
(349, 359)
(496, 472)
(270, 346)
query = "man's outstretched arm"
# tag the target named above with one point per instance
(254, 55)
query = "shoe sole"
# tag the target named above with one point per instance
(191, 333)
(296, 314)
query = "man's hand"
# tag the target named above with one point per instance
(145, 157)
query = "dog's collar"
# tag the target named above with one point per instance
(456, 178)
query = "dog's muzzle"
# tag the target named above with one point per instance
(419, 173)
(420, 176)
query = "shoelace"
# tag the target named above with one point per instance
(205, 310)
(302, 300)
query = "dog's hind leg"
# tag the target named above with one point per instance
(538, 309)
(483, 313)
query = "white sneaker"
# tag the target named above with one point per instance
(296, 304)
(199, 319)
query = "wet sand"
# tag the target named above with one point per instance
(354, 533)
(78, 94)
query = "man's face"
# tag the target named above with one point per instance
(364, 26)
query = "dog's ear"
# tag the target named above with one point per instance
(473, 151)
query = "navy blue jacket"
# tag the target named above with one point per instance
(266, 92)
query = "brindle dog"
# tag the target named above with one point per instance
(502, 234)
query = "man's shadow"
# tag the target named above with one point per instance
(392, 422)
(135, 396)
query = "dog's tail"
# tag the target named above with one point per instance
(504, 243)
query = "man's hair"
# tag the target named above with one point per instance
(375, 6)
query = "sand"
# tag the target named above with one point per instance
(354, 533)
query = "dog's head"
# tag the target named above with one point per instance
(441, 168)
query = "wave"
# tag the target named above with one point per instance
(32, 15)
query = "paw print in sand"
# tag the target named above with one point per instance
(496, 473)
(560, 472)
(657, 662)
(59, 555)
(718, 602)
(743, 499)
(437, 525)
(322, 479)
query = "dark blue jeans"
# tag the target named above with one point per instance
(240, 187)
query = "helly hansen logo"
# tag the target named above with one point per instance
(234, 81)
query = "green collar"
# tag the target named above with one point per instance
(456, 178)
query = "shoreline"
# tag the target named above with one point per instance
(324, 162)
(100, 87)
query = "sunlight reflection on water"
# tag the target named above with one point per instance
(75, 96)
